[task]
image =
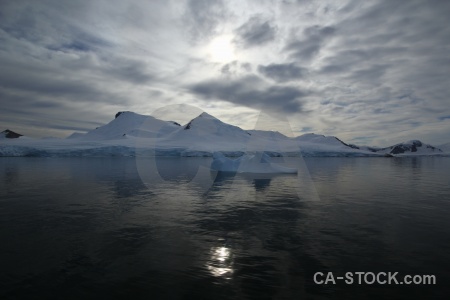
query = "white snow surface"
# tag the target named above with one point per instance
(132, 134)
(130, 124)
(259, 163)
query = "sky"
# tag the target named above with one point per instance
(369, 72)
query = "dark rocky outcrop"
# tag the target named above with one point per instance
(348, 145)
(411, 146)
(9, 134)
(119, 113)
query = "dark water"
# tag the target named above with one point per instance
(91, 229)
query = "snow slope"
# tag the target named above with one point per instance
(130, 124)
(208, 129)
(271, 135)
(207, 134)
(319, 145)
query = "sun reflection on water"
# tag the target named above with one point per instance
(220, 262)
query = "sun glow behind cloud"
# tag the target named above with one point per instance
(221, 49)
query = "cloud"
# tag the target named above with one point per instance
(255, 32)
(313, 39)
(359, 68)
(346, 60)
(131, 70)
(252, 92)
(203, 16)
(236, 68)
(382, 61)
(282, 72)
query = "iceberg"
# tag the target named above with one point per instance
(258, 163)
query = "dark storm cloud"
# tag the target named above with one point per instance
(253, 92)
(282, 72)
(255, 32)
(312, 40)
(203, 16)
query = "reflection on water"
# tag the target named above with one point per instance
(220, 263)
(91, 228)
(261, 184)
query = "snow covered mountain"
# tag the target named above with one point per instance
(313, 144)
(206, 128)
(272, 135)
(313, 138)
(130, 134)
(130, 124)
(206, 134)
(413, 147)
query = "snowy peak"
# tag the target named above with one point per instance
(202, 120)
(128, 123)
(209, 124)
(119, 113)
(207, 116)
(206, 128)
(9, 134)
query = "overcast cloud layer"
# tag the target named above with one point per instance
(369, 72)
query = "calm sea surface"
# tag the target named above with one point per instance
(74, 228)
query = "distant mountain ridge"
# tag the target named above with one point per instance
(413, 146)
(202, 136)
